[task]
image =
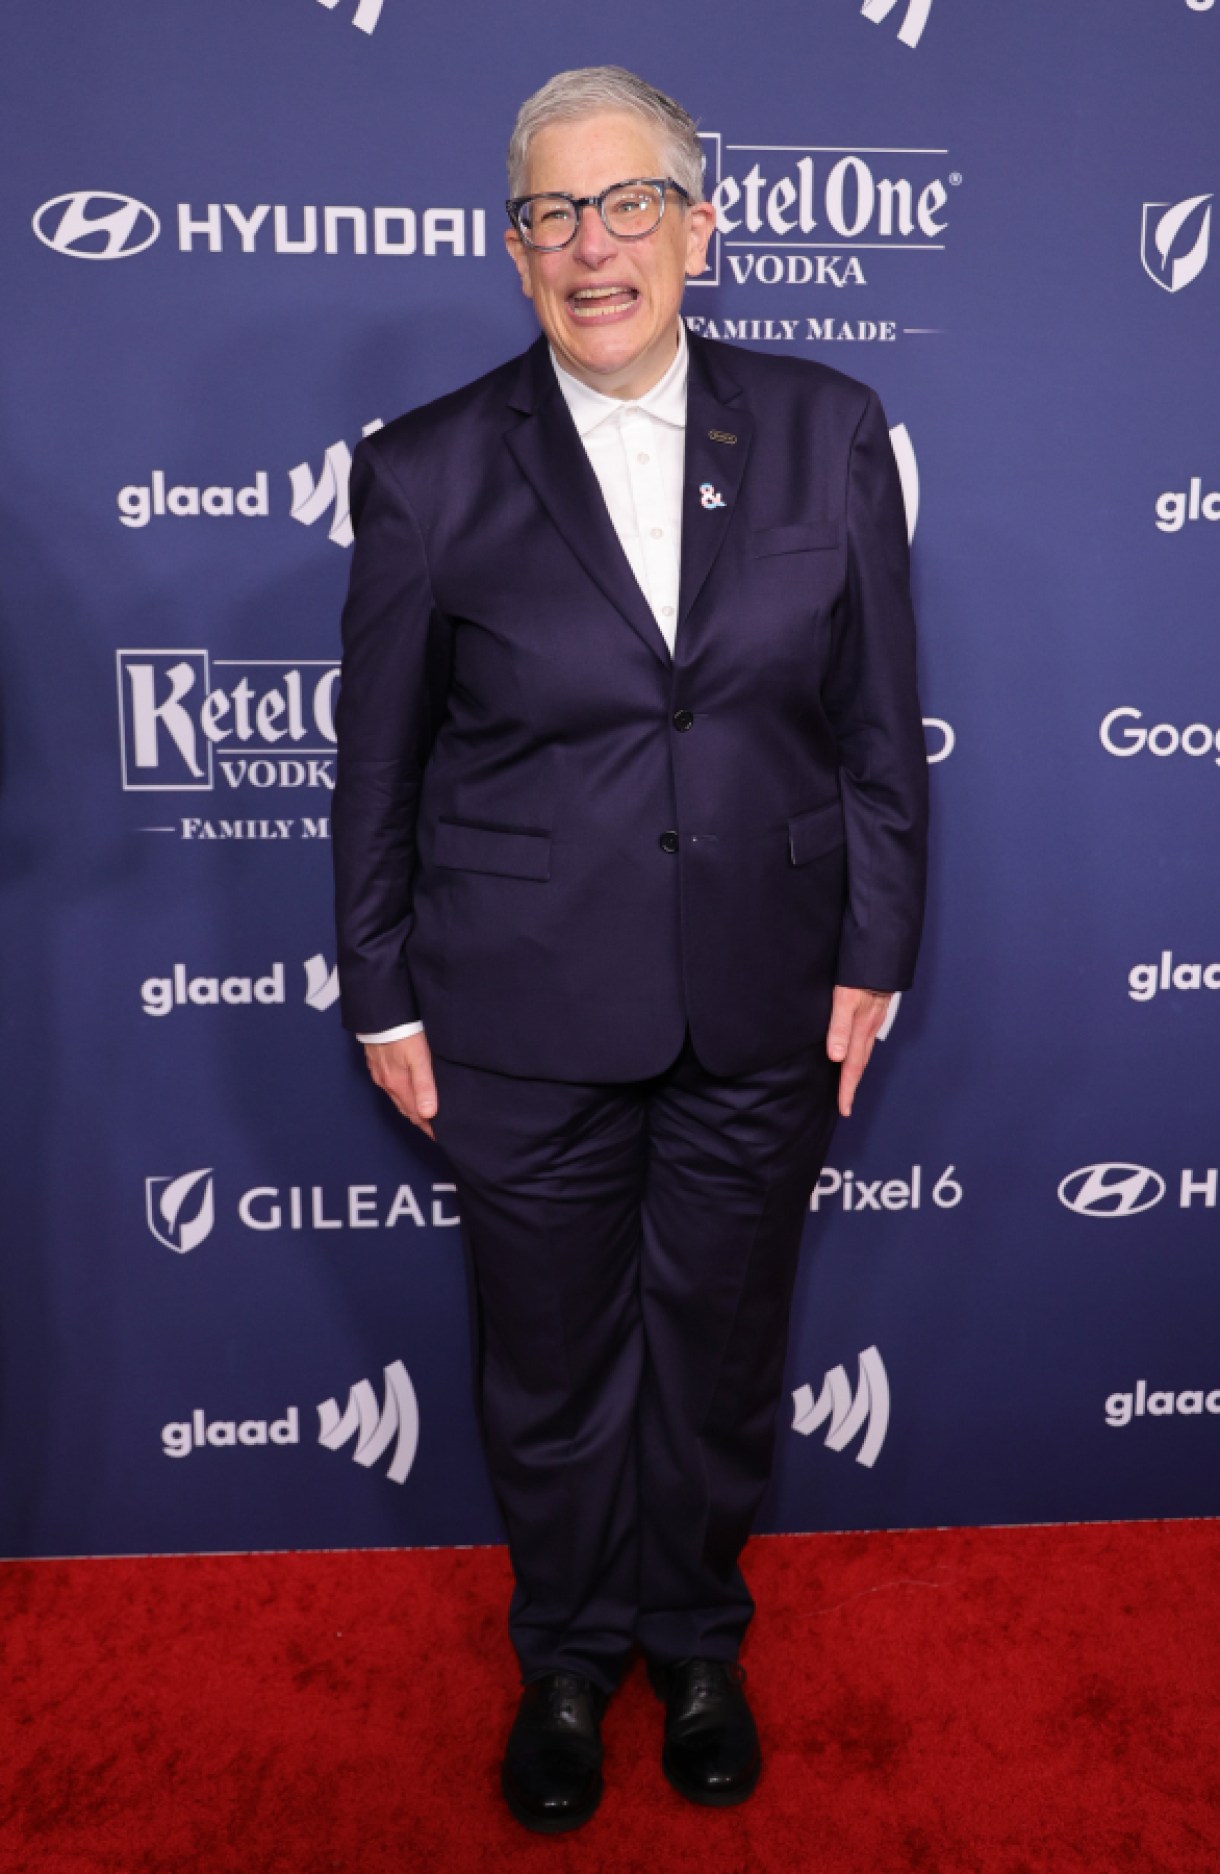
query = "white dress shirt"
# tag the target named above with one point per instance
(637, 451)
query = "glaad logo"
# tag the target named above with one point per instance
(181, 1211)
(1122, 733)
(1111, 1190)
(375, 1429)
(310, 498)
(321, 983)
(1177, 506)
(96, 224)
(870, 1406)
(908, 474)
(141, 502)
(1174, 241)
(161, 995)
(1122, 1407)
(1145, 979)
(366, 16)
(911, 30)
(397, 1423)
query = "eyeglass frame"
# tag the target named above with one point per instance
(516, 203)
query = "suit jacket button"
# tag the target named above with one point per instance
(683, 718)
(669, 842)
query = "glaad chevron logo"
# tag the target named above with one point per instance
(911, 30)
(310, 498)
(96, 224)
(1111, 1190)
(181, 1211)
(1175, 240)
(366, 16)
(870, 1406)
(321, 983)
(397, 1422)
(908, 475)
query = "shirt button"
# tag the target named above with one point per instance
(683, 718)
(669, 842)
(667, 611)
(657, 532)
(642, 457)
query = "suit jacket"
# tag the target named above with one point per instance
(553, 842)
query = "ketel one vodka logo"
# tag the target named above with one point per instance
(808, 214)
(867, 1411)
(189, 721)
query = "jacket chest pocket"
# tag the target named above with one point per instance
(506, 851)
(802, 538)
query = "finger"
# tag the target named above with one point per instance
(424, 1089)
(852, 1071)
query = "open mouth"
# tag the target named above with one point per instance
(590, 303)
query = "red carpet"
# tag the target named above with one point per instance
(1016, 1701)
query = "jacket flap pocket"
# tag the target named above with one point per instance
(796, 539)
(493, 849)
(811, 834)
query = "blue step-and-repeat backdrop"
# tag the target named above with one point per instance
(237, 237)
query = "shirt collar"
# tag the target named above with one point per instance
(666, 399)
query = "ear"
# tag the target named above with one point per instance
(700, 227)
(519, 255)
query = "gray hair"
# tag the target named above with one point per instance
(593, 88)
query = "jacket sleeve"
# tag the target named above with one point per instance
(391, 696)
(872, 702)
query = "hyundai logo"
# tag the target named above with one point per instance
(96, 224)
(1111, 1190)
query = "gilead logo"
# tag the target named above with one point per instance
(1175, 241)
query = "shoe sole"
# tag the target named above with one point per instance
(712, 1799)
(551, 1825)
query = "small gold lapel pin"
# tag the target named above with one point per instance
(721, 435)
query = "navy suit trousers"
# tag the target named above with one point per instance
(632, 1249)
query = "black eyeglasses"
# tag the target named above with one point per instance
(629, 211)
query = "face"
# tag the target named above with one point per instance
(610, 307)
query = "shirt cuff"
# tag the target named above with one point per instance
(394, 1034)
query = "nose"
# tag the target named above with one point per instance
(594, 244)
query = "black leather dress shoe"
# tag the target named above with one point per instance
(552, 1770)
(711, 1752)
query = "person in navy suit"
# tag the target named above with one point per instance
(629, 837)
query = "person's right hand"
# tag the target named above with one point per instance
(403, 1069)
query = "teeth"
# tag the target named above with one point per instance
(600, 292)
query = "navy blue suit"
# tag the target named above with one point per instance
(618, 887)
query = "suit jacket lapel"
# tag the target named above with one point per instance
(550, 454)
(719, 431)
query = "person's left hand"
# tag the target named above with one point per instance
(855, 1017)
